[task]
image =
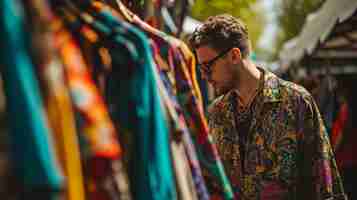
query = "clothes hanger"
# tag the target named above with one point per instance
(97, 6)
(134, 19)
(104, 32)
(127, 14)
(137, 21)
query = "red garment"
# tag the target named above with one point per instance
(338, 126)
(346, 156)
(344, 140)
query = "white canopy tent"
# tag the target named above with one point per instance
(328, 34)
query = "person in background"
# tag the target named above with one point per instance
(269, 132)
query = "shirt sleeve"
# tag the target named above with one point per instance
(318, 174)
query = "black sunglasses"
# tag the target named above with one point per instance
(206, 66)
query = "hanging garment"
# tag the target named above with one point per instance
(343, 141)
(181, 131)
(5, 165)
(184, 182)
(56, 96)
(139, 111)
(62, 122)
(200, 186)
(179, 118)
(105, 181)
(343, 138)
(197, 108)
(35, 163)
(93, 38)
(338, 126)
(181, 143)
(178, 55)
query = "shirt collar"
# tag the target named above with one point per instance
(271, 88)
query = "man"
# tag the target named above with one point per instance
(268, 131)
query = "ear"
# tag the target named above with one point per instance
(236, 55)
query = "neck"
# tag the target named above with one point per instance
(248, 79)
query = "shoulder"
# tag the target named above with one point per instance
(277, 89)
(300, 101)
(292, 96)
(294, 91)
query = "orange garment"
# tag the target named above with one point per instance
(61, 119)
(105, 174)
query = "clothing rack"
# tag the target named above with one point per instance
(101, 105)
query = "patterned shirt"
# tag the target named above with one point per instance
(287, 150)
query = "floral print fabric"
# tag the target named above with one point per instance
(287, 153)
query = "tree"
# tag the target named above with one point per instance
(247, 10)
(291, 15)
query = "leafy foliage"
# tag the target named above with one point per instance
(291, 15)
(248, 10)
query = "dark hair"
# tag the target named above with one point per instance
(222, 32)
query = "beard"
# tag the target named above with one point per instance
(222, 88)
(229, 82)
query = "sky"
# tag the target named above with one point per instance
(271, 27)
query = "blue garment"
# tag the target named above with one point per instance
(189, 147)
(142, 114)
(34, 159)
(139, 111)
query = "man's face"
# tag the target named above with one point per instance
(217, 68)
